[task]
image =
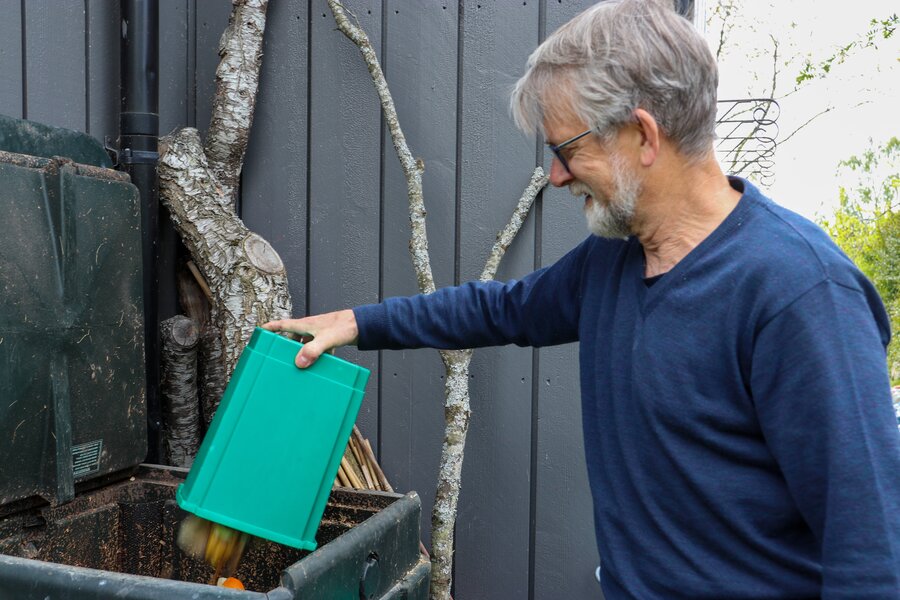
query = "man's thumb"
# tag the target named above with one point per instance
(308, 354)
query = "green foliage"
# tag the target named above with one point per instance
(866, 226)
(879, 28)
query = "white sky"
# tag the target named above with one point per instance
(806, 177)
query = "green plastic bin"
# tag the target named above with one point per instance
(268, 461)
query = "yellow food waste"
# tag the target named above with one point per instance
(218, 545)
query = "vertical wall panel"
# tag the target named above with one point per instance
(55, 63)
(211, 19)
(273, 191)
(493, 525)
(565, 547)
(344, 157)
(177, 44)
(104, 27)
(11, 58)
(420, 62)
(176, 65)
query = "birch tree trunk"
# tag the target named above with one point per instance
(197, 182)
(456, 362)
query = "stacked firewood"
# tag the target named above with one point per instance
(359, 470)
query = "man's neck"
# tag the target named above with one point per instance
(678, 209)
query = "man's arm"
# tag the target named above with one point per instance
(820, 385)
(540, 309)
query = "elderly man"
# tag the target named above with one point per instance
(738, 429)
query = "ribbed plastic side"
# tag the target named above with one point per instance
(269, 459)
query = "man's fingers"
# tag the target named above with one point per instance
(273, 326)
(296, 327)
(318, 333)
(309, 353)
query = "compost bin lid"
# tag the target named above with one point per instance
(36, 139)
(72, 376)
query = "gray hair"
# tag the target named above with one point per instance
(617, 56)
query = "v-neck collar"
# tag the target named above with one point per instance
(651, 295)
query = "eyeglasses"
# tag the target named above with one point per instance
(556, 150)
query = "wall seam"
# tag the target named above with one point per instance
(536, 356)
(381, 191)
(460, 46)
(24, 61)
(191, 74)
(457, 234)
(87, 66)
(309, 68)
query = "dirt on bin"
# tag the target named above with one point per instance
(130, 527)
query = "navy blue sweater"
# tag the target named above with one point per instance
(738, 428)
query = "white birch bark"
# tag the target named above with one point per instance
(237, 79)
(244, 273)
(178, 386)
(456, 362)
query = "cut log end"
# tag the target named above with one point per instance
(182, 330)
(262, 255)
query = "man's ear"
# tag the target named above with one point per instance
(649, 131)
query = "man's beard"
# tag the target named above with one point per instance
(611, 216)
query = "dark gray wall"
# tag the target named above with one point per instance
(323, 184)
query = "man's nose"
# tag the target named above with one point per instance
(559, 175)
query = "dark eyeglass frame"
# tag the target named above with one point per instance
(556, 150)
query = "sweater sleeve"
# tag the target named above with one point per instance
(541, 309)
(820, 386)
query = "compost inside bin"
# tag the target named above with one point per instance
(131, 527)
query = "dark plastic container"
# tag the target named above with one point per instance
(118, 541)
(72, 379)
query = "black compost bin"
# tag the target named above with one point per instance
(80, 517)
(117, 541)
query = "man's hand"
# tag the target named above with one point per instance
(319, 333)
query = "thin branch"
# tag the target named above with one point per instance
(810, 120)
(457, 409)
(775, 70)
(508, 234)
(412, 168)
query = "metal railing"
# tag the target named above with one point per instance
(747, 133)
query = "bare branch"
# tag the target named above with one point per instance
(237, 79)
(457, 409)
(810, 120)
(724, 10)
(505, 237)
(775, 70)
(412, 168)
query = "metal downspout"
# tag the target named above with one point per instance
(138, 156)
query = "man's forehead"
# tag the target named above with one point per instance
(558, 130)
(560, 119)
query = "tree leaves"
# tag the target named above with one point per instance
(879, 29)
(866, 225)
